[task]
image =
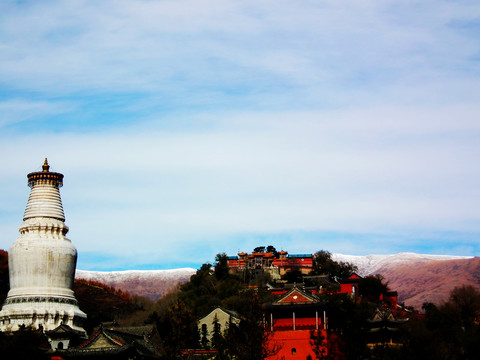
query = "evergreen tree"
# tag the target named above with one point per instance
(324, 264)
(271, 249)
(221, 268)
(372, 287)
(204, 336)
(259, 249)
(249, 340)
(217, 334)
(178, 328)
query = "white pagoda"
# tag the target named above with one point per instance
(42, 263)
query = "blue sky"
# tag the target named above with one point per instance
(188, 128)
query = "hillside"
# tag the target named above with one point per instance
(431, 282)
(374, 264)
(419, 278)
(4, 280)
(102, 303)
(151, 284)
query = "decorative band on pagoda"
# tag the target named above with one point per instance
(40, 299)
(47, 177)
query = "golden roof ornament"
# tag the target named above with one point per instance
(45, 166)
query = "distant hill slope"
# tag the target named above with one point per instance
(152, 284)
(419, 278)
(432, 281)
(101, 303)
(372, 264)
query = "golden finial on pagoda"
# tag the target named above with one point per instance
(45, 166)
(45, 175)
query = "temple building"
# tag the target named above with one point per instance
(297, 323)
(384, 329)
(111, 341)
(217, 320)
(276, 264)
(42, 265)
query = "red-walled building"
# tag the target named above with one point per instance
(349, 285)
(296, 323)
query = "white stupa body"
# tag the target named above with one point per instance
(42, 263)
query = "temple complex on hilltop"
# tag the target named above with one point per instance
(42, 265)
(297, 321)
(276, 264)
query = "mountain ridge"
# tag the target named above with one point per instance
(152, 284)
(418, 278)
(369, 264)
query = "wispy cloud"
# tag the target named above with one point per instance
(15, 111)
(215, 47)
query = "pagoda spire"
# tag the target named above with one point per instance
(45, 166)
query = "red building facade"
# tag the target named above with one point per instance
(296, 323)
(278, 263)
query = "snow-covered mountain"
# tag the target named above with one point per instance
(417, 278)
(374, 264)
(132, 275)
(152, 284)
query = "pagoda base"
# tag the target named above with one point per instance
(47, 312)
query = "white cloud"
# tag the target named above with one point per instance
(332, 171)
(201, 47)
